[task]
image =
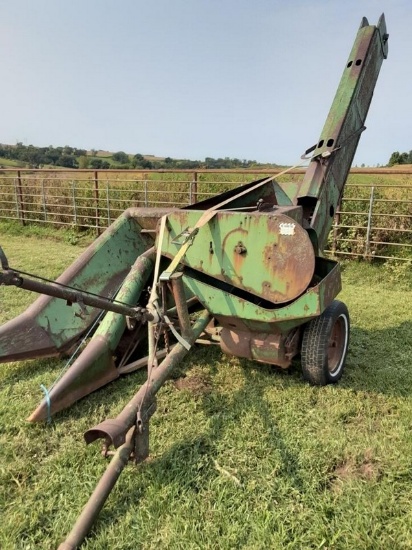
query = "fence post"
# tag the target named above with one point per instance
(146, 202)
(193, 189)
(16, 198)
(109, 218)
(96, 199)
(336, 227)
(74, 202)
(43, 197)
(20, 198)
(368, 229)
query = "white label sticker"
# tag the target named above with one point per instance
(287, 228)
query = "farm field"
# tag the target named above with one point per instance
(242, 455)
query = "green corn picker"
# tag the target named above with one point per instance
(244, 268)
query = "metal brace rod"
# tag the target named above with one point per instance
(10, 277)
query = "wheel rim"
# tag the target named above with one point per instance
(337, 344)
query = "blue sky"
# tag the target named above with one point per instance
(196, 78)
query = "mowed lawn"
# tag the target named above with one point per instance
(242, 455)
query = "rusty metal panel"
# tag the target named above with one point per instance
(266, 254)
(258, 346)
(49, 327)
(95, 366)
(247, 314)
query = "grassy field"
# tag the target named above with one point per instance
(242, 456)
(10, 163)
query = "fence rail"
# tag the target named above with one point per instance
(374, 219)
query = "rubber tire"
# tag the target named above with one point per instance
(315, 351)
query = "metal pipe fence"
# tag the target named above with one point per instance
(374, 219)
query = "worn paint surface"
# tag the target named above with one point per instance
(95, 366)
(49, 326)
(275, 348)
(333, 154)
(266, 254)
(235, 311)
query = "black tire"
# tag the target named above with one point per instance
(325, 344)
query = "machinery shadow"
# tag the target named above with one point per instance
(380, 361)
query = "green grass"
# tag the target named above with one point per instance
(70, 235)
(10, 163)
(242, 456)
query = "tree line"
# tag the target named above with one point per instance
(38, 156)
(72, 157)
(400, 158)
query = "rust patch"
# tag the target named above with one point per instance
(237, 259)
(289, 260)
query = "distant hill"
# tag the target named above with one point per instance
(30, 156)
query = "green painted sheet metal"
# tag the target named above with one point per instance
(232, 310)
(333, 154)
(271, 192)
(95, 366)
(268, 255)
(109, 258)
(49, 325)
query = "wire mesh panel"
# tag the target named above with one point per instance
(374, 221)
(374, 218)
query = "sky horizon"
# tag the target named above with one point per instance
(193, 80)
